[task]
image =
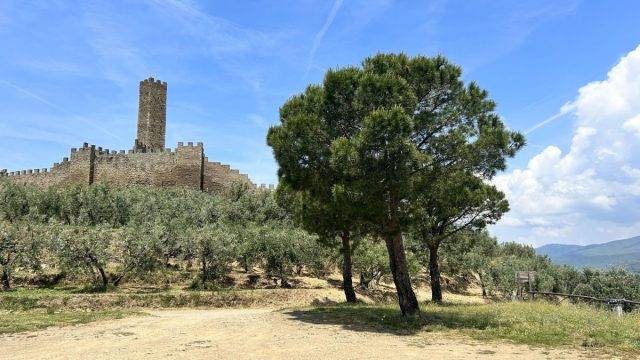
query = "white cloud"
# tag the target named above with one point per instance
(633, 125)
(591, 193)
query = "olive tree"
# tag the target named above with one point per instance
(14, 201)
(20, 246)
(282, 249)
(135, 251)
(216, 249)
(371, 262)
(80, 248)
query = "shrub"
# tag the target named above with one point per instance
(20, 246)
(215, 250)
(84, 249)
(371, 261)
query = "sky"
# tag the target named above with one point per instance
(565, 73)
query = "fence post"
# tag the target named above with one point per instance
(618, 309)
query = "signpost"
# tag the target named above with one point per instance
(524, 278)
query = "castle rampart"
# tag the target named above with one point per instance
(148, 163)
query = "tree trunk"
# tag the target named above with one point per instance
(284, 283)
(398, 264)
(482, 286)
(103, 275)
(6, 284)
(116, 280)
(347, 276)
(94, 263)
(204, 270)
(364, 284)
(434, 274)
(245, 264)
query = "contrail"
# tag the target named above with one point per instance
(32, 95)
(321, 33)
(54, 106)
(564, 110)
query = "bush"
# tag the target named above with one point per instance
(20, 247)
(84, 249)
(112, 234)
(282, 249)
(216, 250)
(371, 261)
(322, 260)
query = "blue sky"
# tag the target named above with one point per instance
(69, 73)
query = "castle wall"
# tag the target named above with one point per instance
(217, 176)
(186, 166)
(148, 163)
(73, 170)
(182, 167)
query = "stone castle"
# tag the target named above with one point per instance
(147, 163)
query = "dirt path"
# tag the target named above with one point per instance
(250, 334)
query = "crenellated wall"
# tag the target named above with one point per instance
(148, 163)
(186, 166)
(217, 176)
(181, 167)
(75, 169)
(269, 187)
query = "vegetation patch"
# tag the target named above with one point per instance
(20, 321)
(533, 323)
(24, 300)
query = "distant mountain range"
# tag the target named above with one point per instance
(624, 253)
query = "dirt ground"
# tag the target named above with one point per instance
(252, 334)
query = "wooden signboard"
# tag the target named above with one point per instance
(525, 277)
(522, 278)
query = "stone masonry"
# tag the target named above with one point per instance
(152, 115)
(148, 163)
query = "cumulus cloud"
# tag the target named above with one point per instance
(633, 125)
(590, 193)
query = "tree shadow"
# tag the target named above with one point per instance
(381, 294)
(323, 302)
(335, 283)
(387, 319)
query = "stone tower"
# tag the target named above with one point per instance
(152, 115)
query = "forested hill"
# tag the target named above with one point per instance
(625, 253)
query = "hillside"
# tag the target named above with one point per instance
(625, 253)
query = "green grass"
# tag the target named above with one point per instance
(20, 321)
(533, 323)
(71, 300)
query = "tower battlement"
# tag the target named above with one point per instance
(152, 115)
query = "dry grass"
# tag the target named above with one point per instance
(20, 321)
(24, 300)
